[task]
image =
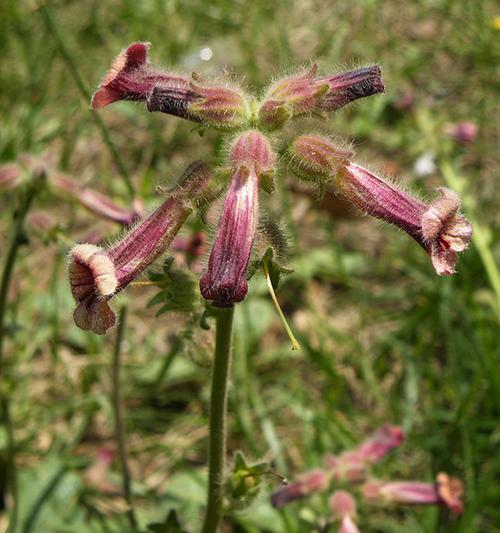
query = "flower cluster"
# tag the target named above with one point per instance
(96, 274)
(352, 468)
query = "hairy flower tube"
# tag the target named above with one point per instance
(343, 509)
(438, 226)
(224, 283)
(305, 93)
(446, 491)
(96, 273)
(131, 77)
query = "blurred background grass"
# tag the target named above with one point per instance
(383, 338)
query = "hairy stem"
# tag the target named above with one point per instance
(119, 422)
(218, 422)
(17, 239)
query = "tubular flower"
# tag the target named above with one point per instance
(132, 78)
(345, 87)
(224, 282)
(96, 274)
(309, 483)
(95, 201)
(352, 465)
(437, 227)
(446, 491)
(343, 509)
(305, 93)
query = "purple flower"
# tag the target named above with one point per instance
(352, 465)
(343, 509)
(95, 201)
(224, 282)
(446, 491)
(437, 227)
(462, 132)
(345, 87)
(96, 274)
(305, 93)
(132, 78)
(307, 484)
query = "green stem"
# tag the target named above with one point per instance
(84, 91)
(119, 422)
(16, 241)
(218, 416)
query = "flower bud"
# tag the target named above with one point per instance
(437, 227)
(132, 78)
(291, 97)
(316, 158)
(447, 491)
(224, 282)
(462, 132)
(343, 509)
(345, 87)
(383, 441)
(10, 177)
(96, 274)
(95, 201)
(307, 484)
(220, 106)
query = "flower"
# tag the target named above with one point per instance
(305, 93)
(446, 491)
(352, 465)
(132, 78)
(224, 282)
(343, 508)
(437, 227)
(462, 132)
(345, 87)
(307, 484)
(96, 202)
(96, 274)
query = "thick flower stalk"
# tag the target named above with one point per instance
(96, 273)
(446, 491)
(224, 282)
(437, 226)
